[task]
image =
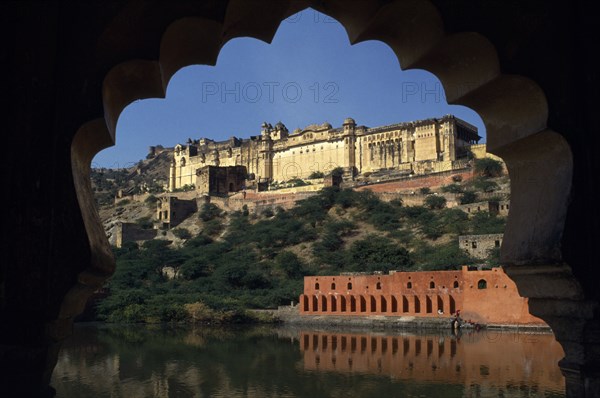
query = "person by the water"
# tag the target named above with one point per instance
(456, 321)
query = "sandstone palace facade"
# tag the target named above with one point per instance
(418, 147)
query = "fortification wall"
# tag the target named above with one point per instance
(479, 246)
(129, 232)
(414, 183)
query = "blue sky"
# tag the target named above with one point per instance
(309, 74)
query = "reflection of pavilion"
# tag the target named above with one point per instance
(487, 359)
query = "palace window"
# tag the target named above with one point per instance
(482, 284)
(316, 286)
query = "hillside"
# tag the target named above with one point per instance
(229, 261)
(148, 175)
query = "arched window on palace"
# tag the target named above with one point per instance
(378, 285)
(349, 285)
(409, 285)
(432, 285)
(456, 284)
(316, 286)
(333, 286)
(482, 284)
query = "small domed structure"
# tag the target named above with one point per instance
(349, 120)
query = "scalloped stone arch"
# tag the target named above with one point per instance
(513, 108)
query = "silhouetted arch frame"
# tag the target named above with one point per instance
(513, 108)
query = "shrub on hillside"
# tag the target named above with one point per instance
(290, 264)
(182, 233)
(337, 172)
(151, 201)
(485, 185)
(145, 222)
(488, 167)
(454, 221)
(430, 225)
(316, 174)
(452, 188)
(485, 223)
(268, 212)
(377, 253)
(398, 202)
(198, 241)
(209, 211)
(441, 257)
(435, 202)
(468, 197)
(297, 182)
(412, 213)
(331, 238)
(212, 227)
(199, 312)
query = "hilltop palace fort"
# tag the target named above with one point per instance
(417, 147)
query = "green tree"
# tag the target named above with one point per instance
(209, 211)
(378, 253)
(493, 257)
(144, 222)
(447, 256)
(212, 227)
(430, 225)
(488, 167)
(483, 222)
(182, 233)
(337, 172)
(435, 202)
(290, 264)
(485, 185)
(150, 201)
(452, 188)
(454, 221)
(297, 182)
(468, 197)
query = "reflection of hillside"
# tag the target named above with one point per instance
(489, 359)
(141, 362)
(138, 362)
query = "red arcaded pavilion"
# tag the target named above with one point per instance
(482, 296)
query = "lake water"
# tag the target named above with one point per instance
(137, 361)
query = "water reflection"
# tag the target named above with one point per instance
(284, 362)
(492, 361)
